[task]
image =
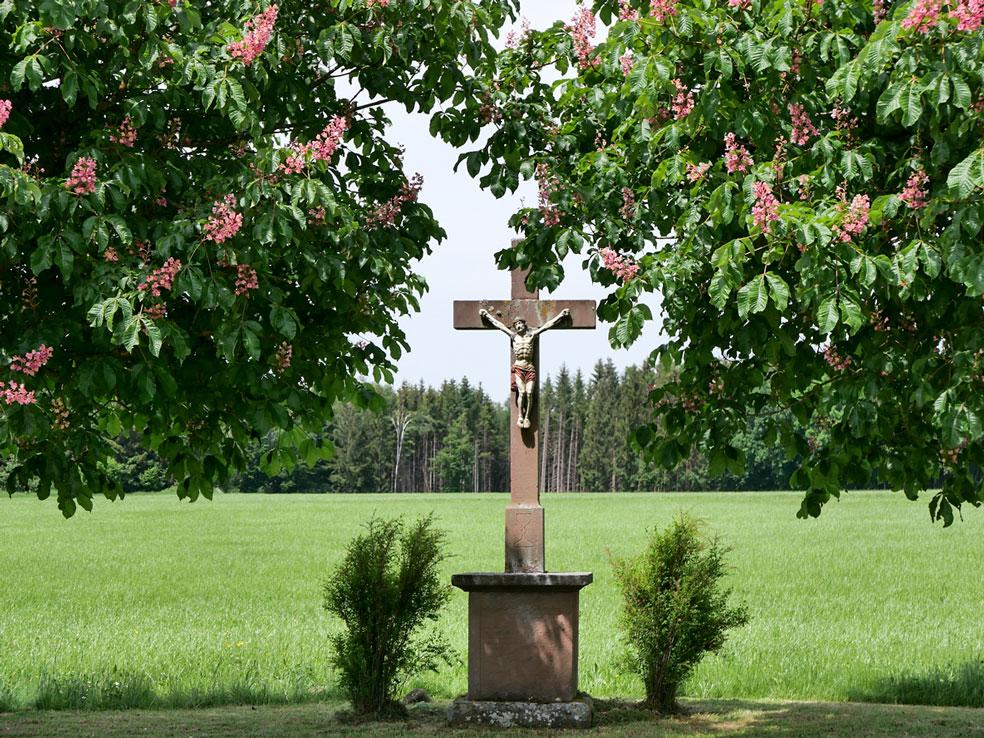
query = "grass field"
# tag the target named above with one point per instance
(156, 603)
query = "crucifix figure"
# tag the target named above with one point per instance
(523, 369)
(524, 516)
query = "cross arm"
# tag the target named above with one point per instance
(534, 312)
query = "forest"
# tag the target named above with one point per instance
(454, 438)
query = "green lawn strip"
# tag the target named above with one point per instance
(614, 720)
(155, 603)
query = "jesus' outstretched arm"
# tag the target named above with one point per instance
(563, 314)
(501, 326)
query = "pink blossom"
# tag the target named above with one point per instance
(803, 128)
(628, 209)
(627, 61)
(385, 214)
(803, 189)
(582, 30)
(513, 39)
(766, 207)
(294, 163)
(696, 172)
(835, 360)
(622, 266)
(16, 394)
(155, 312)
(779, 157)
(914, 194)
(327, 142)
(683, 103)
(855, 219)
(377, 3)
(736, 157)
(246, 279)
(5, 108)
(224, 222)
(740, 4)
(878, 10)
(126, 135)
(285, 353)
(626, 12)
(922, 16)
(110, 255)
(31, 362)
(256, 35)
(662, 9)
(316, 216)
(83, 178)
(161, 278)
(968, 13)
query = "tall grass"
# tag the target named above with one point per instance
(156, 603)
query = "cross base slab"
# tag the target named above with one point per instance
(522, 635)
(574, 714)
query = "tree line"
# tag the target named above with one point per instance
(455, 438)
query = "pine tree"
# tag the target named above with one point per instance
(598, 472)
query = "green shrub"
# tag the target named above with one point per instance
(675, 607)
(386, 588)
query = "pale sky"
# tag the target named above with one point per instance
(463, 268)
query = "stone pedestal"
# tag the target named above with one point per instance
(522, 648)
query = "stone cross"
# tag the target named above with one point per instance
(524, 515)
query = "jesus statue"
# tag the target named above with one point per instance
(523, 375)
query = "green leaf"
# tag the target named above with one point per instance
(828, 316)
(962, 96)
(753, 296)
(69, 87)
(851, 313)
(130, 337)
(13, 144)
(719, 289)
(967, 175)
(283, 322)
(910, 100)
(19, 73)
(889, 102)
(779, 291)
(153, 334)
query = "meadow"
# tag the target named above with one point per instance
(153, 602)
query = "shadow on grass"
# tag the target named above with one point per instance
(749, 718)
(7, 701)
(129, 691)
(952, 685)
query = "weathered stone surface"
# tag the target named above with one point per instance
(525, 549)
(522, 635)
(574, 714)
(416, 695)
(511, 580)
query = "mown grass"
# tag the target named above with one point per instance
(718, 718)
(156, 603)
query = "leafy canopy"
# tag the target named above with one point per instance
(207, 233)
(801, 183)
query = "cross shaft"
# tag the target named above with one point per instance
(524, 515)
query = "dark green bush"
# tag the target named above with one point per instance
(386, 588)
(675, 607)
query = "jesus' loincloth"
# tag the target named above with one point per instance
(523, 373)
